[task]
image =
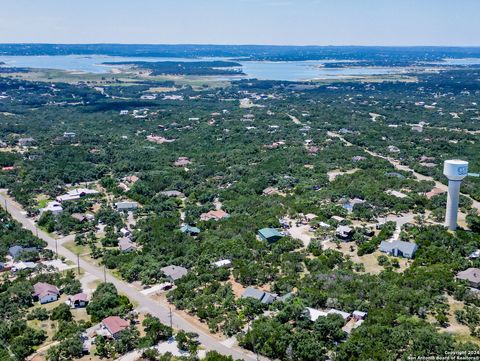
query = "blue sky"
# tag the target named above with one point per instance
(302, 22)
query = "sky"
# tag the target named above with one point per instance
(275, 22)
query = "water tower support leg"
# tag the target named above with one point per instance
(452, 204)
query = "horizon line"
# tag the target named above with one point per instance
(245, 44)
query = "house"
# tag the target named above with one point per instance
(269, 191)
(75, 194)
(434, 192)
(182, 162)
(350, 204)
(270, 235)
(193, 231)
(125, 232)
(393, 149)
(345, 315)
(475, 254)
(16, 251)
(20, 266)
(45, 292)
(471, 275)
(222, 263)
(262, 296)
(25, 142)
(338, 219)
(214, 215)
(359, 315)
(417, 128)
(114, 325)
(174, 273)
(172, 194)
(79, 300)
(68, 135)
(126, 206)
(54, 207)
(399, 248)
(126, 245)
(79, 217)
(345, 233)
(314, 314)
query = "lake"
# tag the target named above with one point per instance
(264, 70)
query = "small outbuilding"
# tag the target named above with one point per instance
(79, 300)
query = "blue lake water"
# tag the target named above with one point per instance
(292, 71)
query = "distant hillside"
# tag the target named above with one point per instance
(378, 55)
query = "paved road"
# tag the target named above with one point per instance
(144, 302)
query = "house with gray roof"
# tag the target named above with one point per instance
(399, 248)
(126, 206)
(16, 251)
(174, 273)
(471, 275)
(262, 296)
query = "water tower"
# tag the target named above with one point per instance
(455, 170)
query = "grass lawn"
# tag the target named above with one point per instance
(77, 249)
(42, 202)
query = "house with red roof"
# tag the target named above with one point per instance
(79, 300)
(215, 215)
(114, 325)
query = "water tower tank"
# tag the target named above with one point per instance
(455, 169)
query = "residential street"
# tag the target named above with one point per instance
(144, 302)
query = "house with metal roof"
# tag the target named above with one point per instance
(126, 206)
(399, 248)
(191, 230)
(269, 234)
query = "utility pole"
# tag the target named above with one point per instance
(104, 274)
(78, 263)
(56, 247)
(171, 317)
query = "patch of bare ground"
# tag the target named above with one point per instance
(369, 261)
(337, 172)
(461, 332)
(193, 320)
